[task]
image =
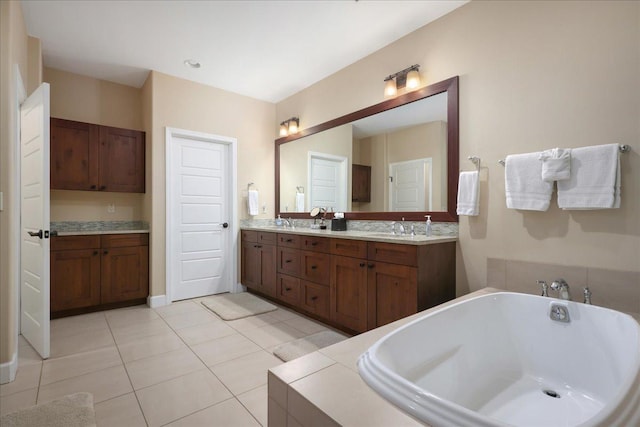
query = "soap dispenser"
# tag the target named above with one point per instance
(279, 221)
(428, 225)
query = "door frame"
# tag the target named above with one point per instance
(232, 185)
(343, 163)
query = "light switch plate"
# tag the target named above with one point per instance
(111, 208)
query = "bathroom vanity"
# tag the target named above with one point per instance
(355, 281)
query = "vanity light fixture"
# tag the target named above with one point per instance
(289, 126)
(408, 78)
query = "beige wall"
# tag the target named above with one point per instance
(90, 100)
(533, 75)
(15, 49)
(187, 105)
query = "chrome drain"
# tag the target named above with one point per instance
(551, 393)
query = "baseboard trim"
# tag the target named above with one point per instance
(156, 301)
(8, 369)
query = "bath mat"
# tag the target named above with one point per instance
(237, 306)
(74, 410)
(300, 347)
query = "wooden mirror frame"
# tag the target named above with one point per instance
(450, 86)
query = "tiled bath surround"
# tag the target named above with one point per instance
(619, 290)
(438, 228)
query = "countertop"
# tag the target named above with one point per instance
(372, 236)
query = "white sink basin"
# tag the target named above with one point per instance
(499, 360)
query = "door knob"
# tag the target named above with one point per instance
(225, 225)
(34, 234)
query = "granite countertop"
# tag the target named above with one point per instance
(87, 228)
(372, 236)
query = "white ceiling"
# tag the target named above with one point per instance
(267, 50)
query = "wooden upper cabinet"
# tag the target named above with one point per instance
(91, 157)
(121, 160)
(74, 155)
(360, 183)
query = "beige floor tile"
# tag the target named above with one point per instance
(104, 385)
(224, 349)
(130, 315)
(176, 398)
(256, 402)
(162, 367)
(79, 364)
(282, 314)
(120, 411)
(150, 346)
(17, 401)
(80, 342)
(272, 335)
(252, 322)
(132, 333)
(27, 355)
(192, 318)
(305, 325)
(73, 325)
(247, 372)
(229, 413)
(27, 378)
(198, 334)
(179, 308)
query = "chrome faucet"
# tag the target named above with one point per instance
(289, 222)
(545, 288)
(587, 295)
(413, 230)
(563, 289)
(402, 228)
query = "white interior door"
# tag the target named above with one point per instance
(328, 182)
(34, 213)
(199, 250)
(410, 186)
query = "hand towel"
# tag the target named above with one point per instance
(468, 191)
(556, 164)
(299, 202)
(252, 202)
(594, 181)
(524, 186)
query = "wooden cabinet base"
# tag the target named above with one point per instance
(99, 307)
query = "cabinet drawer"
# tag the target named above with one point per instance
(267, 238)
(350, 248)
(288, 289)
(315, 298)
(316, 244)
(288, 240)
(316, 267)
(289, 261)
(124, 240)
(394, 253)
(249, 236)
(63, 243)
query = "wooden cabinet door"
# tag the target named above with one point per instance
(360, 183)
(125, 274)
(74, 155)
(249, 265)
(75, 279)
(348, 292)
(314, 298)
(288, 289)
(393, 293)
(267, 269)
(121, 160)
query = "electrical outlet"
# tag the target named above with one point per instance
(111, 208)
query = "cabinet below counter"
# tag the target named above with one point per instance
(97, 272)
(352, 284)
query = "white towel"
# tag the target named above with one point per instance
(299, 202)
(524, 186)
(252, 202)
(468, 191)
(595, 179)
(556, 164)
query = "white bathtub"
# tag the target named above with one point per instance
(499, 360)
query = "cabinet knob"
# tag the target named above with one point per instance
(362, 264)
(287, 289)
(289, 240)
(314, 243)
(102, 187)
(313, 267)
(287, 261)
(95, 253)
(313, 298)
(105, 253)
(371, 265)
(93, 187)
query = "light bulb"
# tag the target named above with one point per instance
(293, 127)
(413, 79)
(390, 88)
(283, 129)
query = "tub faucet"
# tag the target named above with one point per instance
(563, 289)
(545, 288)
(587, 295)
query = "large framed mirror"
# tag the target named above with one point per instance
(393, 160)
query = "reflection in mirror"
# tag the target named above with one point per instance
(397, 158)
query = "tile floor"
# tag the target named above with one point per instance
(178, 365)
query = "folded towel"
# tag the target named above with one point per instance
(524, 186)
(594, 181)
(252, 202)
(556, 164)
(468, 190)
(299, 202)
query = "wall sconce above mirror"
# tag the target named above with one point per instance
(359, 163)
(409, 78)
(289, 126)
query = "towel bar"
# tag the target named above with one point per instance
(623, 149)
(475, 160)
